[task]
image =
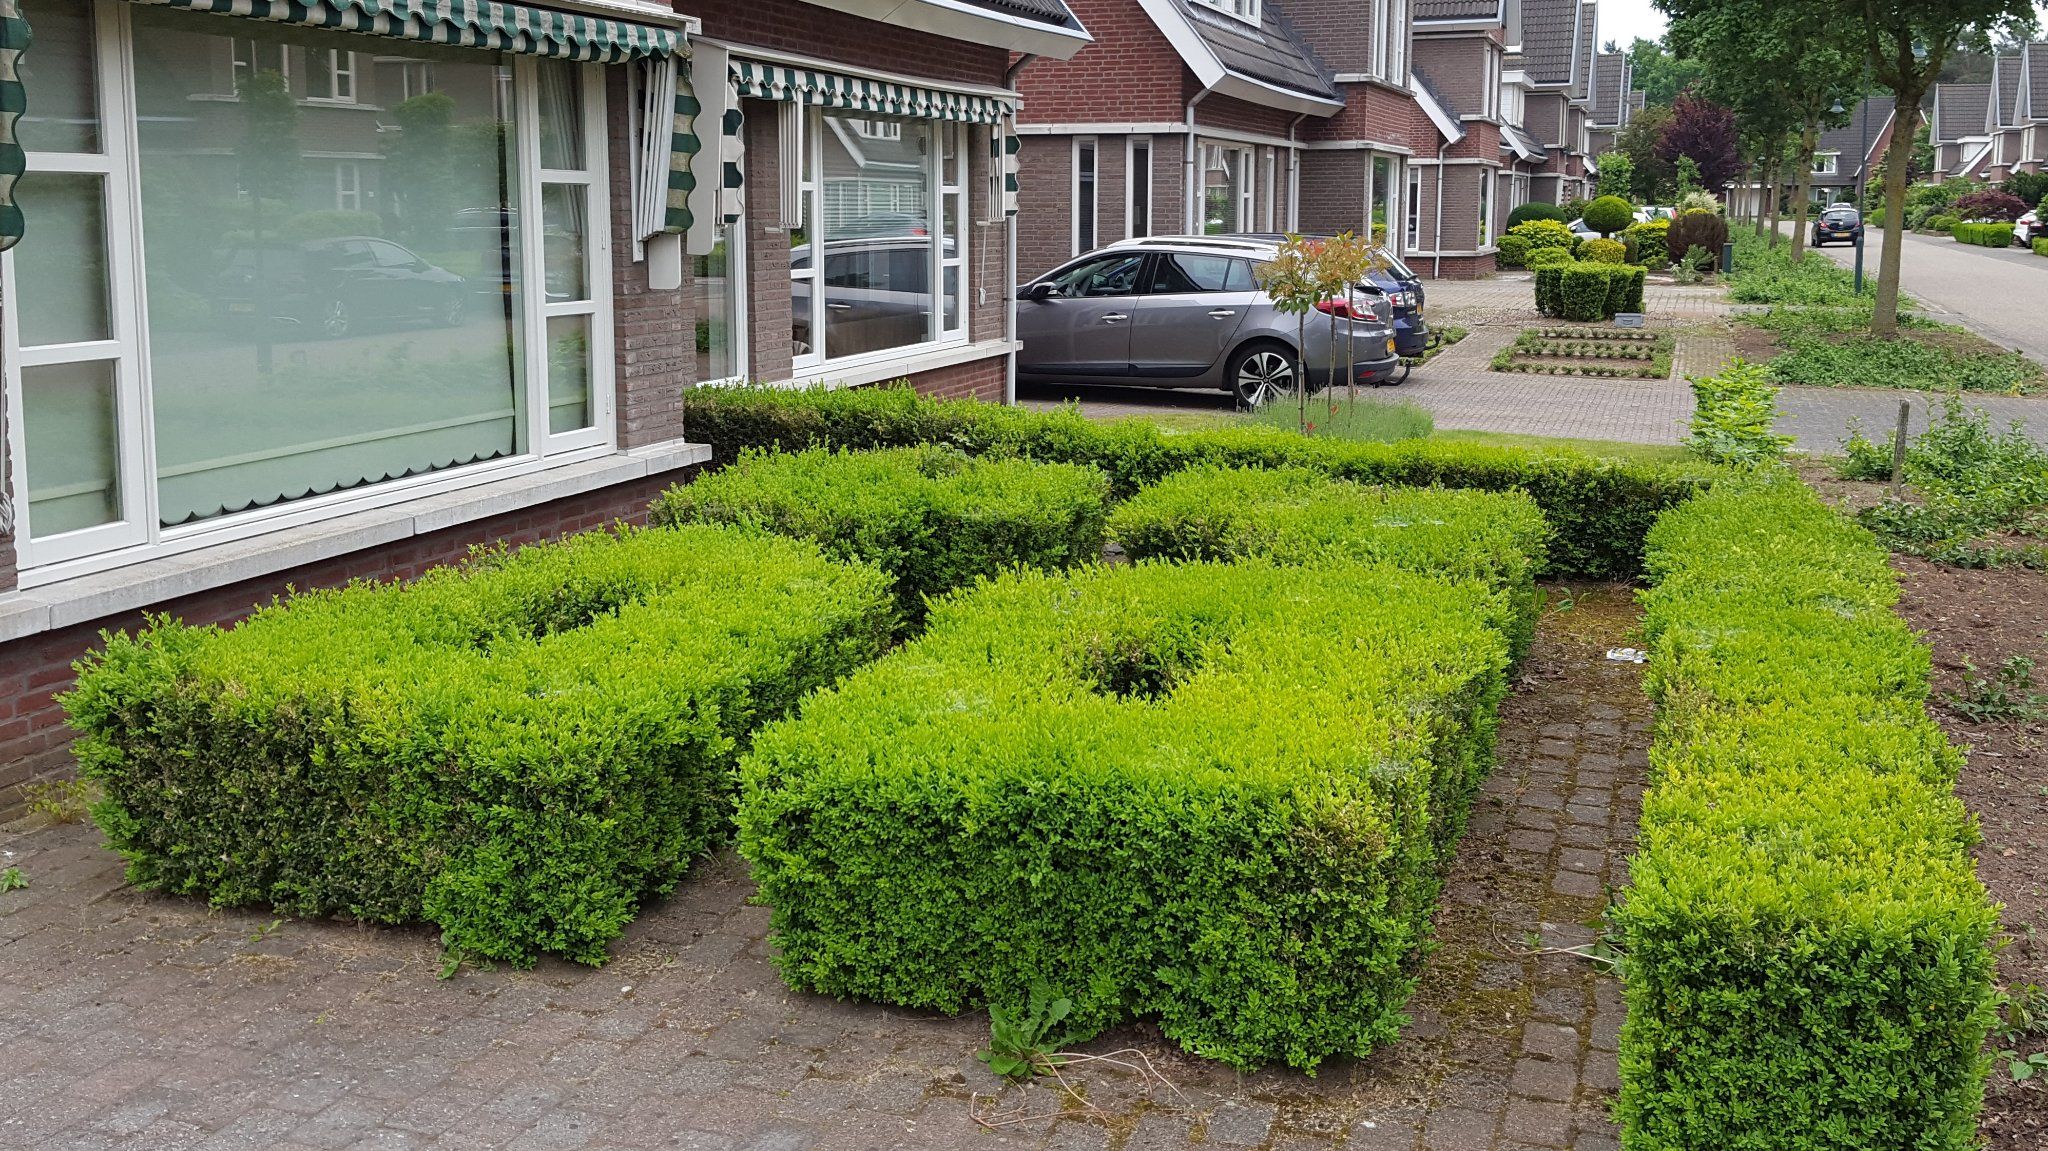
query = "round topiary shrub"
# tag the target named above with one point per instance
(1547, 257)
(1943, 223)
(1604, 252)
(1514, 251)
(1536, 211)
(1609, 214)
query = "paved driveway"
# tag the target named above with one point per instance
(2001, 294)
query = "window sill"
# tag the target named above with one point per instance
(82, 599)
(875, 371)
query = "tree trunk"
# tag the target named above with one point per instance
(1777, 179)
(1802, 191)
(1756, 181)
(1898, 157)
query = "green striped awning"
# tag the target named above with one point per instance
(14, 38)
(517, 28)
(832, 90)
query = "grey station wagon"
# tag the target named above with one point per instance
(1185, 312)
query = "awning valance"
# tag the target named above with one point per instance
(518, 28)
(833, 90)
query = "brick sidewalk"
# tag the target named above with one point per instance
(133, 1021)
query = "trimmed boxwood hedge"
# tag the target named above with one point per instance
(1598, 508)
(932, 517)
(1984, 235)
(1295, 515)
(1807, 961)
(1221, 796)
(520, 750)
(1585, 292)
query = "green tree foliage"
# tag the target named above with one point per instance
(1617, 175)
(1661, 74)
(1652, 178)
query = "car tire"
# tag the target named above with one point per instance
(1260, 373)
(335, 319)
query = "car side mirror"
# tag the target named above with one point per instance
(1042, 290)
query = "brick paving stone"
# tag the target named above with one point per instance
(129, 1020)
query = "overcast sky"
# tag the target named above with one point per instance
(1623, 20)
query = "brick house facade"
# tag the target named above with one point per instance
(320, 375)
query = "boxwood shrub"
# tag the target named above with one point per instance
(1093, 779)
(1598, 508)
(1587, 291)
(932, 517)
(519, 750)
(1807, 960)
(1984, 235)
(1295, 515)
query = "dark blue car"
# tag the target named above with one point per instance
(1403, 291)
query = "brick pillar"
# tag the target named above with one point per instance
(768, 311)
(653, 339)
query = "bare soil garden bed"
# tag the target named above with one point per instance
(1977, 621)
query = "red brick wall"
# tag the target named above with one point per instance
(1332, 191)
(1045, 204)
(1129, 75)
(980, 380)
(1233, 114)
(34, 742)
(1376, 113)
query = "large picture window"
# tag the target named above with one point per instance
(328, 278)
(878, 260)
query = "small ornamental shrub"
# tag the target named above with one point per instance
(1609, 214)
(1535, 210)
(521, 750)
(1697, 229)
(1548, 257)
(1083, 781)
(1587, 291)
(1733, 417)
(1294, 515)
(1990, 204)
(1599, 508)
(1604, 252)
(1649, 239)
(1698, 200)
(1943, 223)
(1984, 235)
(1542, 234)
(1513, 251)
(2040, 245)
(1806, 950)
(934, 518)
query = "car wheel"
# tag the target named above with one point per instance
(1262, 373)
(334, 319)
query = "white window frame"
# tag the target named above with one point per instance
(348, 186)
(1492, 83)
(1488, 177)
(341, 64)
(1382, 38)
(810, 193)
(1245, 10)
(235, 65)
(1827, 163)
(139, 534)
(1090, 205)
(1397, 70)
(1138, 186)
(594, 179)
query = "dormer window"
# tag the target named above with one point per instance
(1245, 10)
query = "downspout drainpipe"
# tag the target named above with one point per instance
(1190, 213)
(1436, 271)
(1010, 250)
(1287, 218)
